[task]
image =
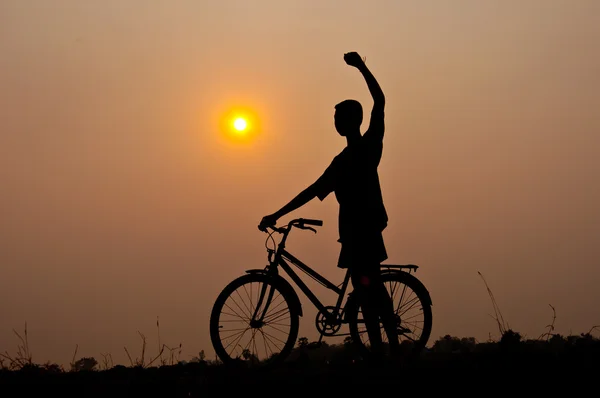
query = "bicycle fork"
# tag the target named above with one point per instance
(257, 320)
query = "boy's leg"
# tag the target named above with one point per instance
(386, 311)
(363, 287)
(365, 254)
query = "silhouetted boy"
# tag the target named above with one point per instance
(353, 177)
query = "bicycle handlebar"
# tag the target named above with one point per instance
(309, 221)
(298, 222)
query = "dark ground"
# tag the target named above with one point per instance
(557, 367)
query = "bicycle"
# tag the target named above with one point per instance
(274, 308)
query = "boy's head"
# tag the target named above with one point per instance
(348, 117)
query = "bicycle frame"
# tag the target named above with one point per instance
(284, 259)
(284, 255)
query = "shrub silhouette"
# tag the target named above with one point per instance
(84, 364)
(451, 344)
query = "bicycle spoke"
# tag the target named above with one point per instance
(411, 332)
(266, 341)
(234, 311)
(229, 320)
(235, 334)
(413, 301)
(279, 330)
(235, 315)
(402, 295)
(232, 330)
(415, 326)
(250, 341)
(266, 336)
(244, 302)
(274, 308)
(281, 324)
(249, 296)
(274, 299)
(274, 337)
(237, 341)
(254, 349)
(241, 309)
(257, 295)
(279, 319)
(402, 304)
(411, 317)
(276, 315)
(393, 290)
(280, 303)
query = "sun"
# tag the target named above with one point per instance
(240, 124)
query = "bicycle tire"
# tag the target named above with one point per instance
(411, 348)
(216, 321)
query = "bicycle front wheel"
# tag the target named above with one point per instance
(254, 321)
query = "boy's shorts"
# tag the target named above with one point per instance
(367, 250)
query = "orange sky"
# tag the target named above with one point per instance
(122, 201)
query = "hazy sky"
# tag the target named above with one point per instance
(122, 200)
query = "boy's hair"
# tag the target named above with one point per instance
(351, 111)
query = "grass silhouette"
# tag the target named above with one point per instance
(511, 361)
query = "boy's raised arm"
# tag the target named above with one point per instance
(377, 114)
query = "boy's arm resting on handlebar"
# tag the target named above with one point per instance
(321, 188)
(300, 200)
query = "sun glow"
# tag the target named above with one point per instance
(239, 125)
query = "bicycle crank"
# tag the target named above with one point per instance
(328, 323)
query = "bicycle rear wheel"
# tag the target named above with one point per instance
(254, 321)
(412, 308)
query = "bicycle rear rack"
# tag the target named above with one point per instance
(410, 267)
